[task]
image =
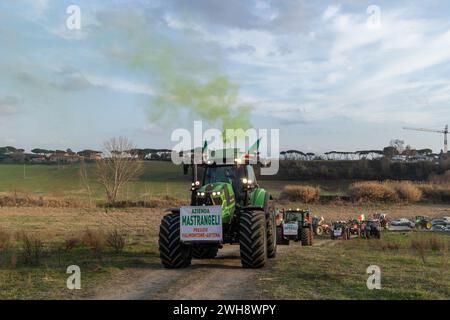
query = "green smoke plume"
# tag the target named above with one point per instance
(186, 73)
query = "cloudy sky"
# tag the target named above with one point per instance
(331, 75)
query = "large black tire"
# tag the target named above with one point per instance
(280, 238)
(271, 237)
(306, 236)
(318, 230)
(173, 253)
(253, 239)
(377, 234)
(204, 251)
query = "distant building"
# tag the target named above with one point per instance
(89, 155)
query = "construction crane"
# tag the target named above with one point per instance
(445, 132)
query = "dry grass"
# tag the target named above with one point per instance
(28, 200)
(5, 240)
(435, 192)
(384, 245)
(373, 191)
(304, 194)
(407, 191)
(95, 240)
(387, 191)
(32, 248)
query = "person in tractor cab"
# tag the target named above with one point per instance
(228, 174)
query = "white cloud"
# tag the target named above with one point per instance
(331, 11)
(120, 85)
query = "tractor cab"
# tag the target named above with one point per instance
(241, 178)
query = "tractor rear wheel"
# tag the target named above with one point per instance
(271, 237)
(204, 251)
(253, 239)
(306, 237)
(173, 253)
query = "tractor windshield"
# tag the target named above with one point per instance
(294, 217)
(228, 174)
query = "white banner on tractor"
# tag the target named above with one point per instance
(203, 223)
(290, 229)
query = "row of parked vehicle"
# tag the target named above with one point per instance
(356, 228)
(422, 223)
(298, 225)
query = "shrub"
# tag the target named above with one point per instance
(116, 241)
(407, 191)
(5, 240)
(71, 243)
(437, 245)
(435, 192)
(95, 240)
(420, 246)
(33, 249)
(372, 191)
(306, 194)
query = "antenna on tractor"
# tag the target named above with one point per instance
(445, 132)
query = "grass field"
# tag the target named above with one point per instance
(335, 270)
(158, 178)
(46, 279)
(339, 271)
(324, 272)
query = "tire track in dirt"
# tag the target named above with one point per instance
(219, 278)
(210, 279)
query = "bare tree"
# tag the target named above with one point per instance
(117, 167)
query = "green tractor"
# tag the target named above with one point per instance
(423, 223)
(227, 207)
(295, 225)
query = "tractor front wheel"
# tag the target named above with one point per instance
(173, 253)
(319, 230)
(253, 239)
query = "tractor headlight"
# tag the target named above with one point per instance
(214, 194)
(244, 181)
(218, 193)
(202, 194)
(197, 183)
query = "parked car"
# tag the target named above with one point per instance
(403, 222)
(440, 228)
(439, 221)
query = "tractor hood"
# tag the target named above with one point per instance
(218, 193)
(213, 187)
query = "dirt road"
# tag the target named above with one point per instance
(219, 278)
